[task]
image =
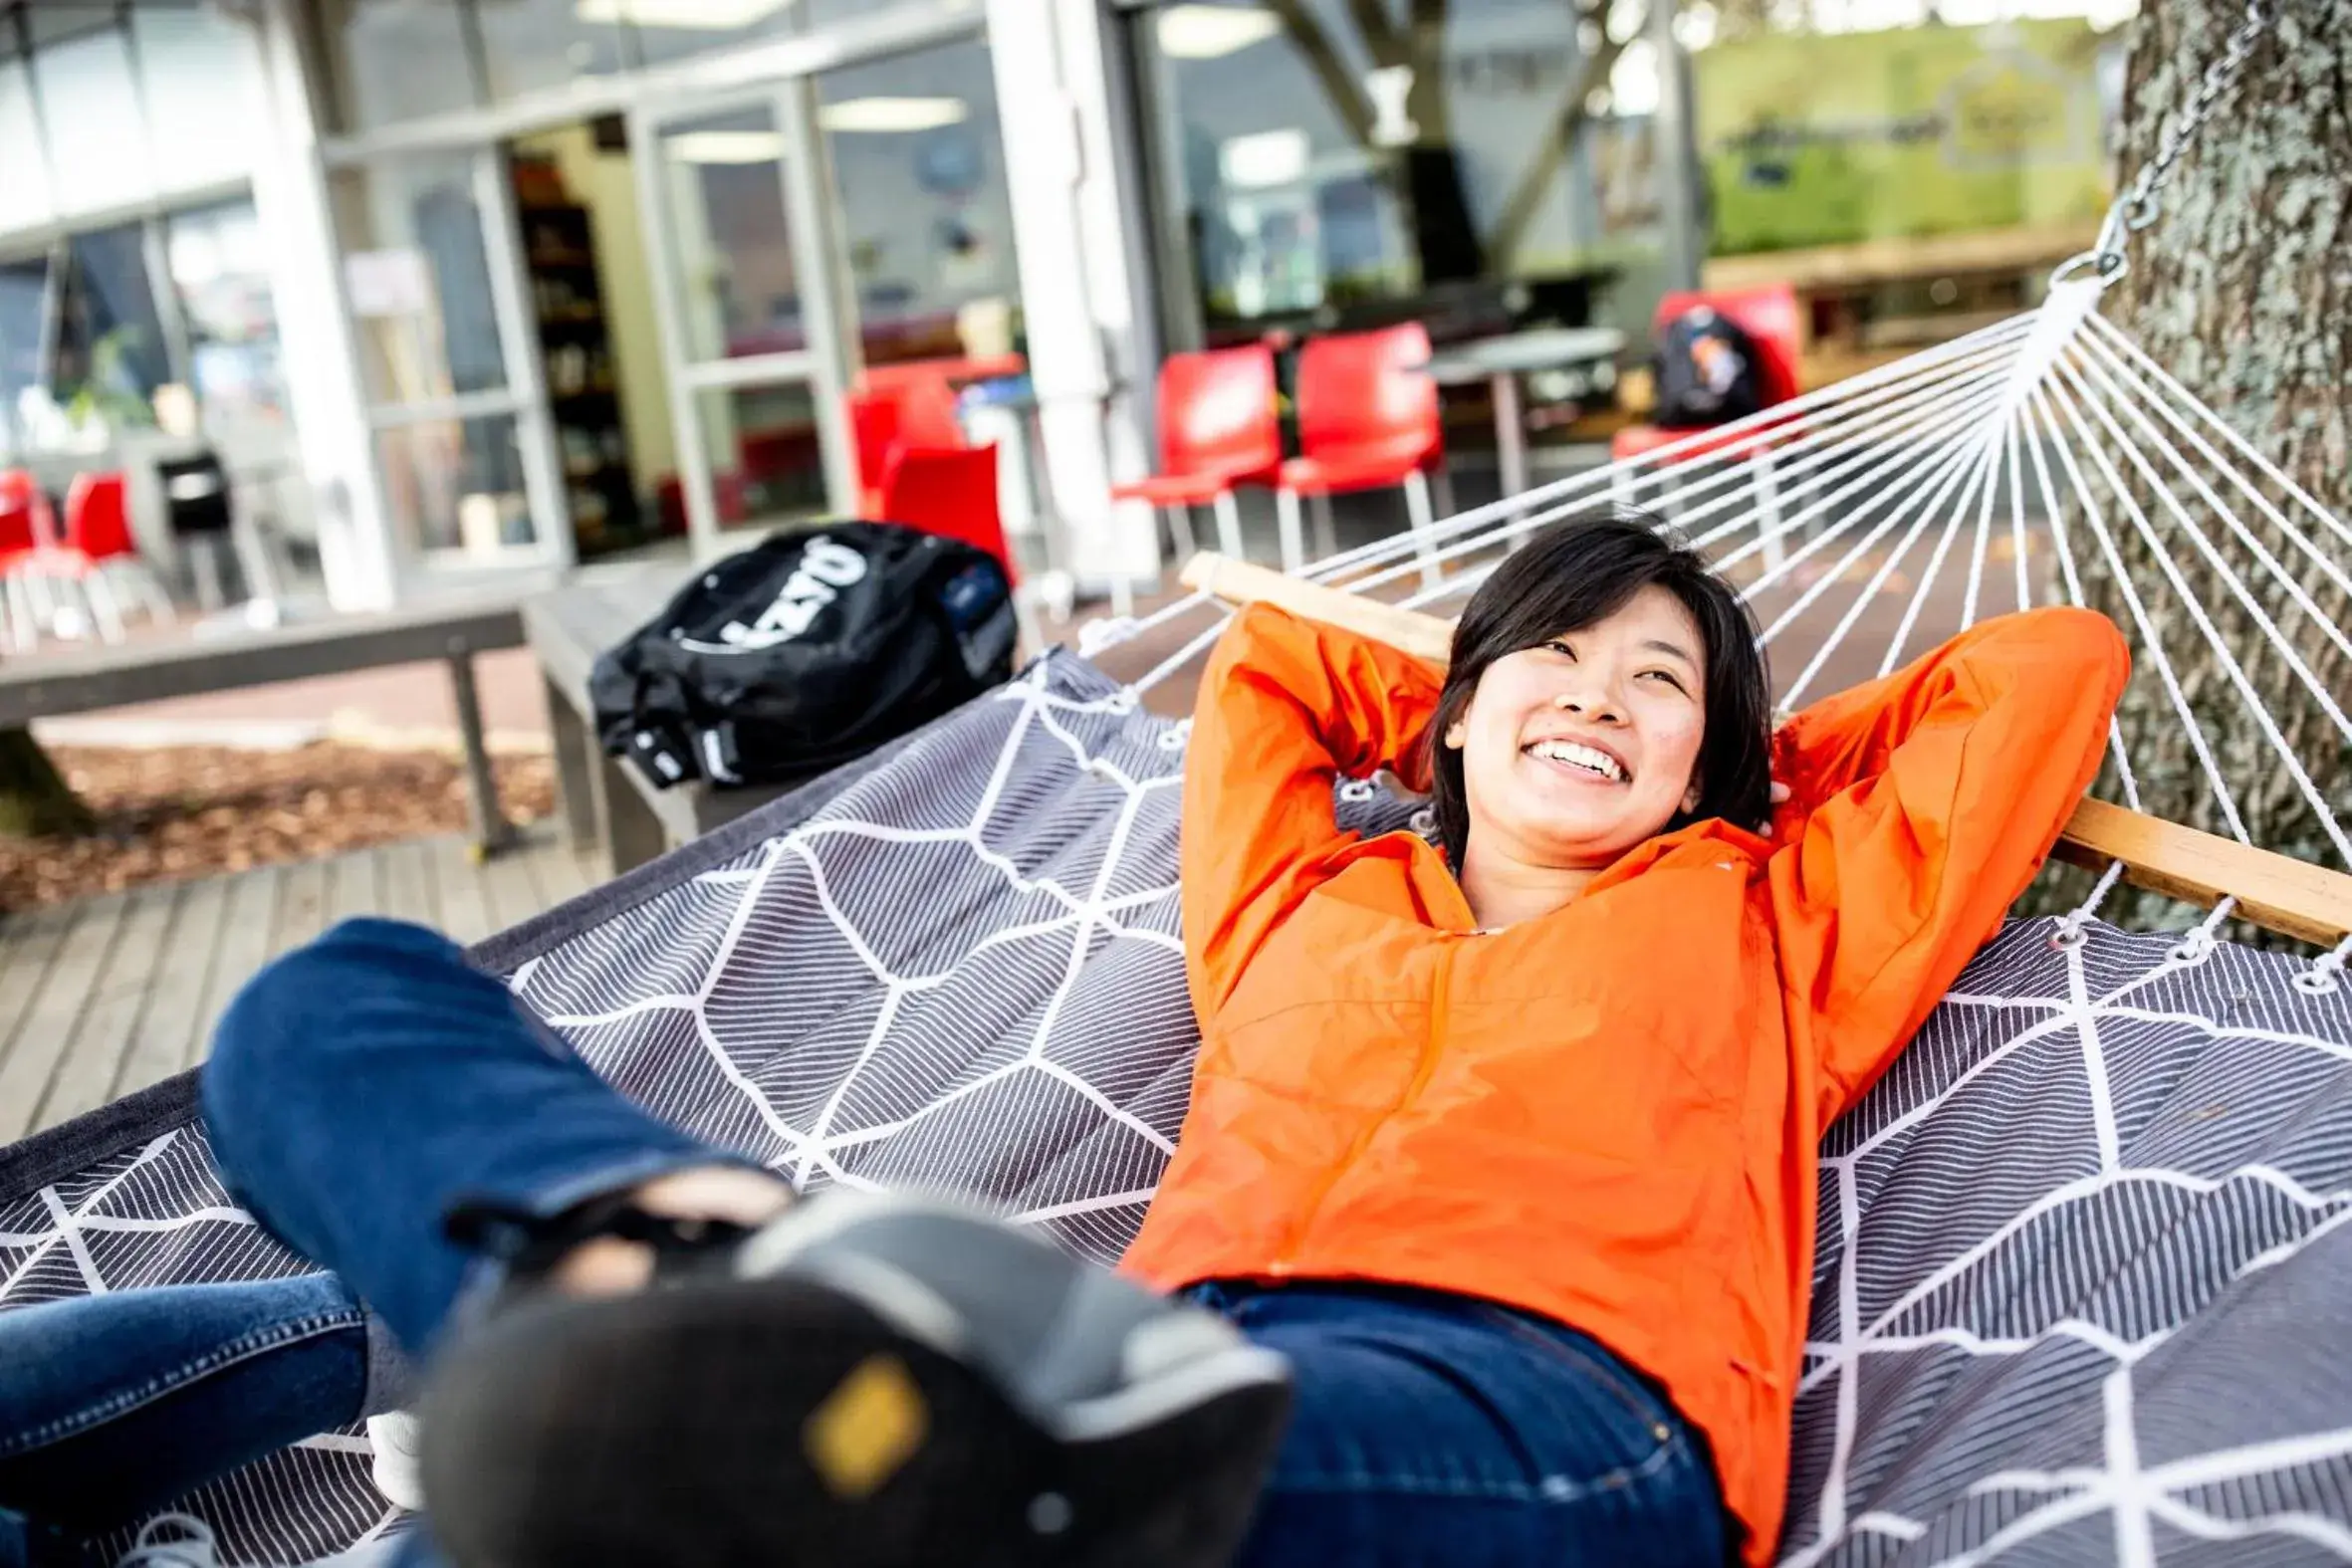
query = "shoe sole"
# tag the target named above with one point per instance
(780, 1421)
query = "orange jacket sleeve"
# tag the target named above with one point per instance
(1921, 804)
(1285, 704)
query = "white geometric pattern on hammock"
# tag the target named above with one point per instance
(963, 972)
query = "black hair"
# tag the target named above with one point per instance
(1582, 570)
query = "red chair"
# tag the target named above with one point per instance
(889, 414)
(98, 544)
(948, 490)
(21, 542)
(1769, 314)
(28, 535)
(1217, 429)
(1367, 419)
(952, 492)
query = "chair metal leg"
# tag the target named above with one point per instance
(1286, 521)
(1229, 524)
(41, 595)
(1180, 534)
(1441, 482)
(145, 586)
(204, 559)
(1417, 506)
(1326, 533)
(104, 612)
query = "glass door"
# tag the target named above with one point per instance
(459, 423)
(744, 285)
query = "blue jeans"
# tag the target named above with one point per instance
(362, 1084)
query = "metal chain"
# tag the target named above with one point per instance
(2139, 207)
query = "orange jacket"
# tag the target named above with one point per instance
(1609, 1115)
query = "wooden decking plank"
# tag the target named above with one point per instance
(52, 1013)
(561, 874)
(163, 1038)
(513, 892)
(93, 1052)
(464, 903)
(248, 922)
(352, 887)
(29, 945)
(302, 906)
(405, 883)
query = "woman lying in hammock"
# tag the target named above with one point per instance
(1504, 1147)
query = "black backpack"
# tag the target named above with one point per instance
(1709, 373)
(802, 652)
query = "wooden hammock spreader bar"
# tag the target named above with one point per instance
(2272, 890)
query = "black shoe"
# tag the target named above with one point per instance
(863, 1383)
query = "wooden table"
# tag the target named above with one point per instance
(607, 805)
(55, 684)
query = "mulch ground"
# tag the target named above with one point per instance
(190, 812)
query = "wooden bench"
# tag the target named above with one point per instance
(606, 803)
(82, 681)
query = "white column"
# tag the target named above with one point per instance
(320, 354)
(1088, 326)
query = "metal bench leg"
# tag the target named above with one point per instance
(489, 828)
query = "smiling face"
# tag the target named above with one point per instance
(1577, 749)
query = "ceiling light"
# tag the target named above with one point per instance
(1270, 157)
(892, 114)
(710, 15)
(726, 147)
(1211, 31)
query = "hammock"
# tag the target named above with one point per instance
(2075, 1250)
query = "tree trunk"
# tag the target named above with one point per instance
(35, 801)
(2242, 290)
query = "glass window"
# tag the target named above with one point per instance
(98, 141)
(395, 60)
(24, 403)
(766, 464)
(669, 30)
(416, 278)
(202, 95)
(109, 355)
(457, 485)
(24, 194)
(221, 272)
(529, 45)
(926, 223)
(1319, 157)
(1913, 175)
(723, 179)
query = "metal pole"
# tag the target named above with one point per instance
(1678, 153)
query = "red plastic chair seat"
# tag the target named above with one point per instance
(1333, 470)
(948, 490)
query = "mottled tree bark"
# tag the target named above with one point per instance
(2242, 288)
(35, 799)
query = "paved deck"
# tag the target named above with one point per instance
(109, 995)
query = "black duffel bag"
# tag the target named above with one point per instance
(803, 652)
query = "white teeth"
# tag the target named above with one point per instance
(1584, 757)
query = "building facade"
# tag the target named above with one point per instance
(470, 288)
